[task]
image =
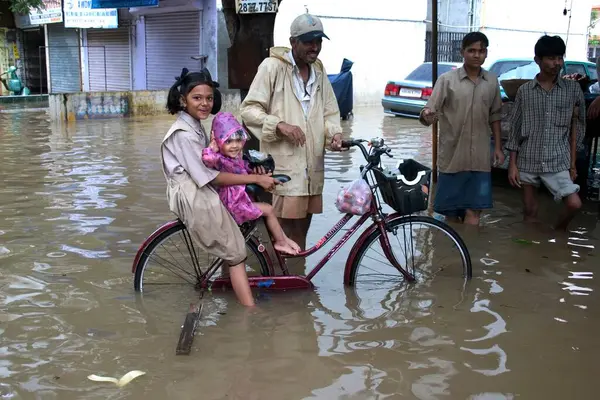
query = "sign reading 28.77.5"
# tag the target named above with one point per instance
(255, 6)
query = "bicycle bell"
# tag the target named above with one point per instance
(377, 142)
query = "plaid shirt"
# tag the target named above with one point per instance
(541, 125)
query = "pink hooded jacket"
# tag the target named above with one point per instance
(235, 198)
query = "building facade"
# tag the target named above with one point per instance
(141, 48)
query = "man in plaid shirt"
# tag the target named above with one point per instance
(547, 125)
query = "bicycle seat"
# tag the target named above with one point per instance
(254, 189)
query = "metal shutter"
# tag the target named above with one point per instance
(171, 39)
(114, 44)
(63, 50)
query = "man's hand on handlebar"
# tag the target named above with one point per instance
(292, 132)
(378, 147)
(337, 143)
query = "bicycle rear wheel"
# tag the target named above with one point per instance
(172, 260)
(421, 245)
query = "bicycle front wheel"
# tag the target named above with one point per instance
(172, 260)
(422, 246)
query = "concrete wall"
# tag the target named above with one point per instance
(223, 44)
(209, 36)
(384, 38)
(454, 15)
(513, 32)
(100, 105)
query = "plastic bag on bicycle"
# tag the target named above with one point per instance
(355, 198)
(259, 159)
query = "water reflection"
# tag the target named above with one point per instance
(79, 198)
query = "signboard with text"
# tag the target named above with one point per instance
(52, 13)
(255, 6)
(123, 3)
(79, 14)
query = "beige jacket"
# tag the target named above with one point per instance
(271, 100)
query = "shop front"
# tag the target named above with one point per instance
(108, 59)
(170, 37)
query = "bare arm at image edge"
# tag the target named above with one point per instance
(496, 117)
(256, 104)
(581, 119)
(436, 101)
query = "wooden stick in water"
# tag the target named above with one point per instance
(188, 329)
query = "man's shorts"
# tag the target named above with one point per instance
(558, 183)
(457, 192)
(297, 207)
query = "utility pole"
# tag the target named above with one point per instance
(251, 37)
(434, 75)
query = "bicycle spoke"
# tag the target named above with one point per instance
(157, 258)
(190, 263)
(192, 250)
(414, 247)
(154, 257)
(172, 258)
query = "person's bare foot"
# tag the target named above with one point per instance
(473, 221)
(293, 245)
(560, 226)
(284, 248)
(531, 220)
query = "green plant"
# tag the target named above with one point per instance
(23, 6)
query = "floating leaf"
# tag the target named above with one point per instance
(522, 241)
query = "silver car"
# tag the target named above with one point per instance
(406, 98)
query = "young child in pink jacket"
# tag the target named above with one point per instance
(225, 155)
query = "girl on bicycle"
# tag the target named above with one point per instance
(225, 154)
(193, 97)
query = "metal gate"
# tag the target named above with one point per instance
(64, 59)
(171, 40)
(109, 61)
(449, 45)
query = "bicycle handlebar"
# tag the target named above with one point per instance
(378, 148)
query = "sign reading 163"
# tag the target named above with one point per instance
(255, 6)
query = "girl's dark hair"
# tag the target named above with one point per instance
(550, 46)
(183, 86)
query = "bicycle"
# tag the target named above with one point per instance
(405, 196)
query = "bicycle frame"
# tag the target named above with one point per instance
(287, 281)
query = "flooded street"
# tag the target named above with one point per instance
(78, 199)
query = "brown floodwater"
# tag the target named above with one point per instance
(77, 200)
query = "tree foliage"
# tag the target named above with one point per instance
(23, 6)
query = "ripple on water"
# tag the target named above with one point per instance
(61, 269)
(4, 251)
(86, 253)
(79, 198)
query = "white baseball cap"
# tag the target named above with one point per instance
(307, 28)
